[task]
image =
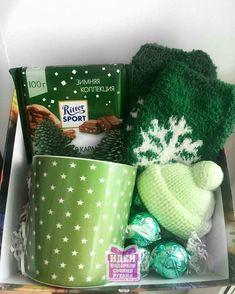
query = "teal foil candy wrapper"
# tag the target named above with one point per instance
(143, 229)
(78, 209)
(145, 261)
(169, 259)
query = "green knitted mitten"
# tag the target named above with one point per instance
(186, 117)
(152, 58)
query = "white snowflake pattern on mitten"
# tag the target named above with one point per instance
(163, 145)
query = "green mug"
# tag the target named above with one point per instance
(78, 209)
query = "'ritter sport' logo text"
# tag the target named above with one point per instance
(73, 113)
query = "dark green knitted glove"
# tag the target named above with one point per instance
(186, 117)
(152, 58)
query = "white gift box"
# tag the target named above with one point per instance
(53, 32)
(218, 262)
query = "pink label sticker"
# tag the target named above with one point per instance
(123, 264)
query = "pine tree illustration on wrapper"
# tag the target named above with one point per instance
(178, 119)
(110, 147)
(51, 140)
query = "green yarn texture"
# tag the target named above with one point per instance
(186, 117)
(152, 58)
(172, 196)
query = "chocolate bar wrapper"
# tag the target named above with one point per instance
(69, 96)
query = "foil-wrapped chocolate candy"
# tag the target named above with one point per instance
(144, 261)
(169, 259)
(143, 229)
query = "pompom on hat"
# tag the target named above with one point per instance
(181, 197)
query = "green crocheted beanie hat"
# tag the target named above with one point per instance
(186, 117)
(180, 197)
(152, 58)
